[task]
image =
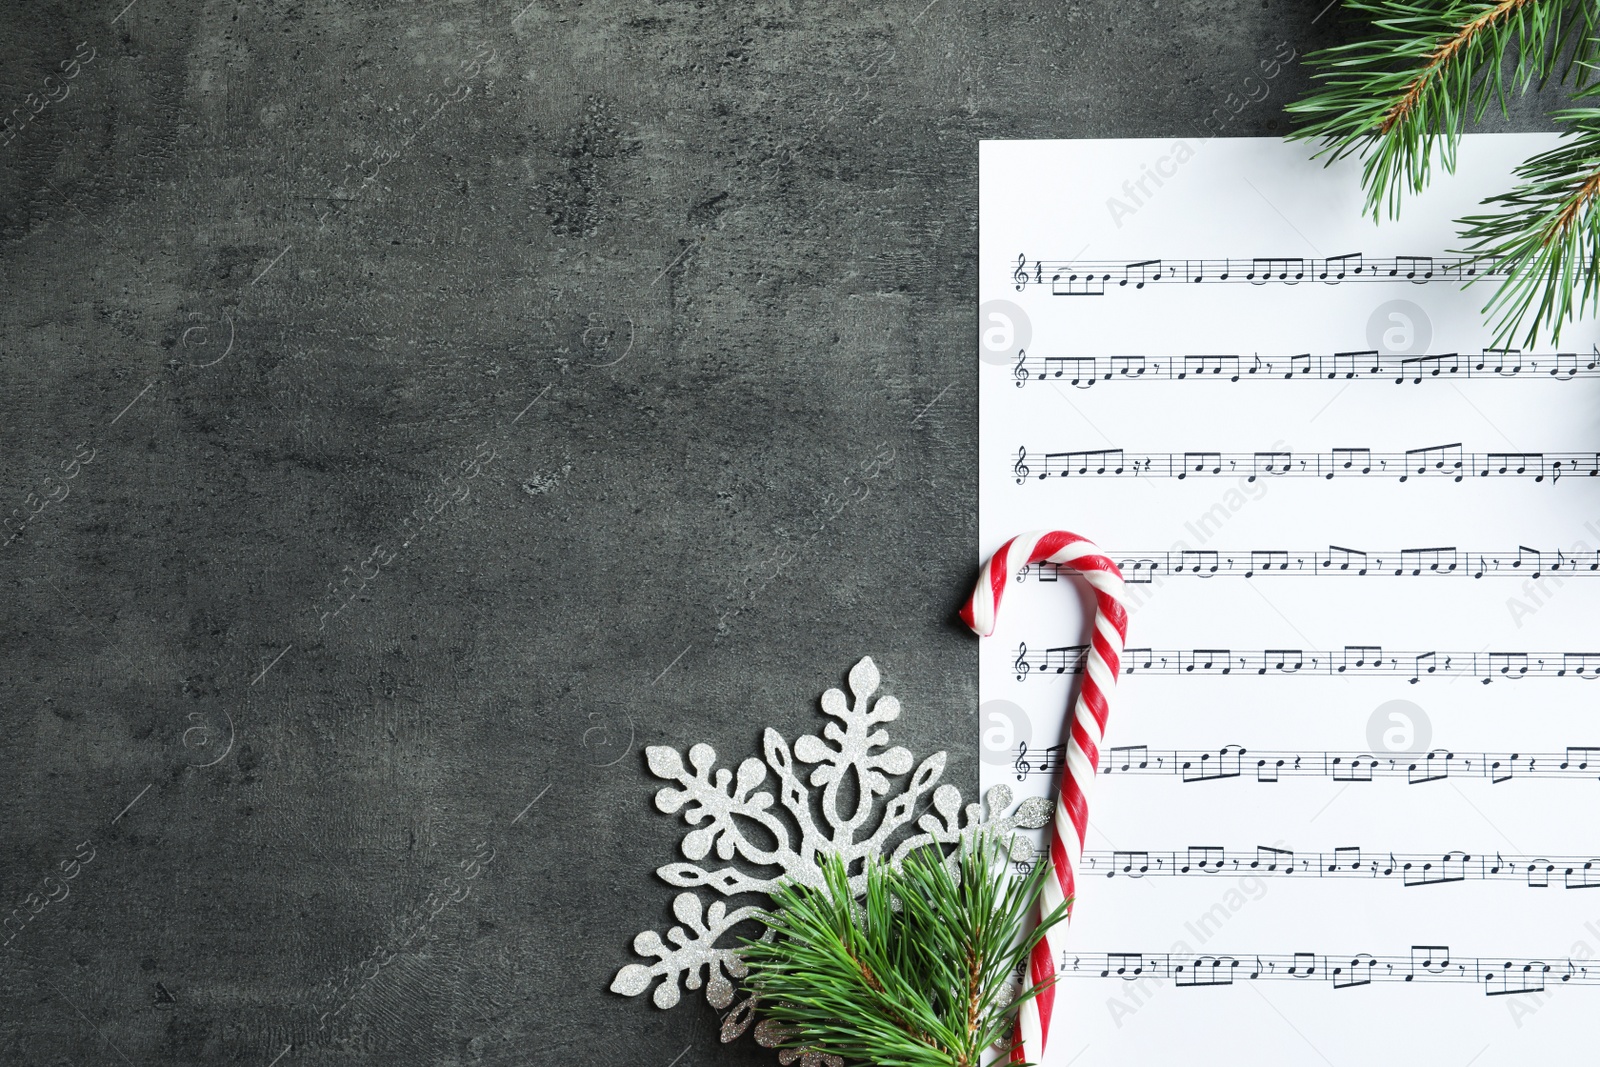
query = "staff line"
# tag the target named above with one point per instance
(1146, 567)
(1271, 765)
(1432, 461)
(1351, 660)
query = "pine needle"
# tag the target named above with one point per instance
(916, 974)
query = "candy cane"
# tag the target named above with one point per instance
(1083, 746)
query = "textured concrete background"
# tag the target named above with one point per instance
(412, 410)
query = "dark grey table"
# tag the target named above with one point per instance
(411, 411)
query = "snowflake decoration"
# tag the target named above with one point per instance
(721, 803)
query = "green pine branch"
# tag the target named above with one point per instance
(1404, 95)
(1549, 228)
(1428, 69)
(916, 974)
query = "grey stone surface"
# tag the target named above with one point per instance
(649, 283)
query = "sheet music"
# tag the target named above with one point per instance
(1334, 819)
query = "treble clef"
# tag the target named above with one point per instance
(1021, 467)
(1022, 574)
(1022, 766)
(1020, 275)
(1020, 371)
(1021, 666)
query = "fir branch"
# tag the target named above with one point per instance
(1548, 230)
(915, 974)
(1431, 67)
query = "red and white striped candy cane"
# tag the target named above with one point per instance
(1083, 744)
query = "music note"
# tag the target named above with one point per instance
(1052, 760)
(1582, 876)
(1580, 757)
(1128, 757)
(1437, 459)
(1263, 270)
(1132, 864)
(1358, 460)
(1335, 268)
(1268, 768)
(1451, 867)
(1271, 859)
(1345, 559)
(1069, 281)
(1206, 660)
(1198, 562)
(1511, 978)
(1095, 461)
(1201, 463)
(1148, 270)
(1064, 658)
(1128, 965)
(1435, 766)
(1355, 972)
(1079, 370)
(1137, 659)
(1282, 660)
(1209, 768)
(1276, 463)
(1347, 857)
(1353, 768)
(1431, 560)
(1507, 665)
(1413, 268)
(1518, 463)
(1210, 366)
(1580, 664)
(1265, 560)
(1430, 959)
(1505, 361)
(1127, 367)
(1360, 657)
(1139, 571)
(1419, 367)
(1206, 971)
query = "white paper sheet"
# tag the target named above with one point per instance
(1047, 208)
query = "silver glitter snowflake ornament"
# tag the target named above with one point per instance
(721, 804)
